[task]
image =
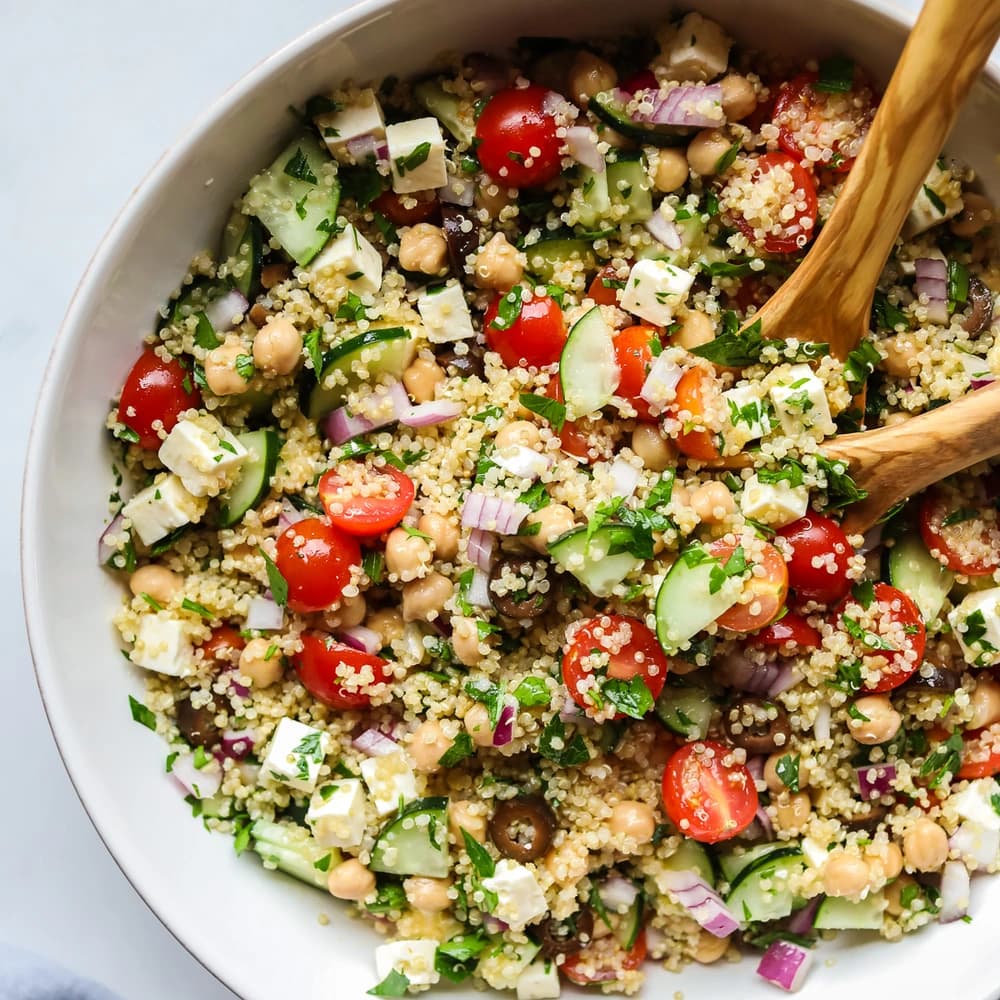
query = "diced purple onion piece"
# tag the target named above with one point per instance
(241, 690)
(359, 637)
(341, 426)
(104, 549)
(480, 549)
(875, 780)
(581, 144)
(374, 743)
(203, 782)
(680, 107)
(932, 281)
(786, 678)
(458, 191)
(265, 615)
(437, 411)
(931, 267)
(755, 765)
(479, 590)
(237, 743)
(765, 822)
(503, 732)
(224, 312)
(617, 893)
(976, 843)
(701, 901)
(663, 231)
(491, 513)
(289, 515)
(785, 964)
(801, 921)
(981, 383)
(553, 103)
(736, 671)
(955, 888)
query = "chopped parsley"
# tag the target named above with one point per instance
(481, 859)
(141, 714)
(508, 309)
(394, 985)
(298, 167)
(860, 364)
(734, 348)
(836, 75)
(548, 409)
(631, 697)
(841, 489)
(460, 749)
(490, 695)
(277, 583)
(389, 897)
(787, 770)
(935, 199)
(244, 366)
(455, 958)
(311, 341)
(870, 639)
(198, 609)
(727, 159)
(532, 691)
(944, 760)
(553, 745)
(864, 593)
(735, 565)
(415, 158)
(960, 515)
(353, 310)
(886, 316)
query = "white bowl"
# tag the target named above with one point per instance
(257, 931)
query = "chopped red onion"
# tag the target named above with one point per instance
(491, 513)
(875, 780)
(679, 106)
(973, 842)
(359, 637)
(241, 690)
(955, 888)
(225, 311)
(581, 144)
(645, 79)
(494, 925)
(363, 148)
(341, 426)
(458, 191)
(801, 921)
(701, 901)
(237, 743)
(521, 461)
(289, 515)
(981, 383)
(374, 743)
(571, 712)
(755, 765)
(480, 549)
(105, 550)
(437, 411)
(787, 678)
(265, 615)
(785, 964)
(663, 231)
(736, 671)
(203, 782)
(765, 822)
(503, 732)
(617, 893)
(821, 727)
(658, 389)
(479, 590)
(554, 104)
(625, 477)
(932, 281)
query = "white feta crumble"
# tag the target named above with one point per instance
(413, 958)
(654, 289)
(520, 900)
(446, 314)
(348, 261)
(697, 49)
(203, 453)
(337, 814)
(975, 803)
(539, 981)
(800, 402)
(296, 754)
(354, 121)
(416, 155)
(748, 412)
(976, 625)
(944, 191)
(163, 507)
(777, 504)
(163, 645)
(390, 780)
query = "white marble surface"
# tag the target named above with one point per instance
(90, 95)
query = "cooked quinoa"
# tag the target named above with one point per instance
(484, 565)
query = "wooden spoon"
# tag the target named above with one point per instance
(828, 297)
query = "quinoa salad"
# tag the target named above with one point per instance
(485, 570)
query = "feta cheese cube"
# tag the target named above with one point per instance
(413, 958)
(697, 49)
(816, 854)
(390, 780)
(204, 454)
(163, 507)
(416, 155)
(348, 262)
(801, 403)
(654, 289)
(975, 803)
(296, 753)
(976, 624)
(539, 981)
(776, 504)
(337, 814)
(977, 845)
(520, 900)
(355, 121)
(163, 644)
(748, 413)
(925, 214)
(445, 314)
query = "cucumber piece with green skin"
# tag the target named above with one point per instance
(388, 351)
(686, 710)
(589, 561)
(913, 570)
(242, 248)
(692, 857)
(838, 914)
(296, 198)
(588, 370)
(415, 842)
(446, 108)
(629, 185)
(501, 963)
(626, 926)
(761, 891)
(546, 257)
(294, 851)
(734, 863)
(254, 482)
(685, 602)
(590, 197)
(608, 110)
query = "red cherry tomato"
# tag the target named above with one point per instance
(338, 675)
(692, 391)
(778, 235)
(806, 117)
(766, 593)
(708, 796)
(603, 960)
(981, 755)
(752, 292)
(365, 501)
(156, 390)
(535, 336)
(888, 635)
(315, 559)
(391, 206)
(611, 646)
(518, 144)
(605, 286)
(572, 440)
(815, 539)
(634, 354)
(970, 546)
(791, 634)
(223, 645)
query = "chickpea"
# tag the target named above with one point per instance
(554, 520)
(709, 948)
(469, 816)
(406, 555)
(465, 640)
(477, 725)
(588, 76)
(893, 892)
(350, 612)
(491, 198)
(498, 265)
(900, 356)
(567, 864)
(387, 623)
(712, 502)
(885, 861)
(977, 213)
(350, 880)
(443, 532)
(263, 670)
(880, 723)
(696, 329)
(793, 810)
(925, 846)
(739, 99)
(706, 149)
(428, 744)
(277, 347)
(220, 368)
(423, 248)
(845, 875)
(429, 895)
(518, 432)
(634, 820)
(157, 582)
(656, 451)
(422, 379)
(771, 779)
(423, 600)
(985, 703)
(671, 170)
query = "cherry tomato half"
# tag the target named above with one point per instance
(888, 635)
(763, 596)
(970, 543)
(604, 960)
(156, 390)
(774, 234)
(572, 439)
(708, 796)
(518, 144)
(338, 675)
(981, 756)
(535, 336)
(605, 286)
(791, 634)
(611, 646)
(223, 646)
(819, 559)
(315, 559)
(391, 206)
(691, 396)
(365, 501)
(634, 354)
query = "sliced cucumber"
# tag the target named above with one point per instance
(242, 249)
(546, 257)
(608, 110)
(415, 842)
(296, 198)
(734, 863)
(913, 570)
(685, 603)
(255, 475)
(588, 371)
(629, 185)
(502, 963)
(294, 851)
(686, 710)
(446, 108)
(626, 926)
(590, 197)
(761, 891)
(386, 352)
(692, 857)
(589, 561)
(838, 914)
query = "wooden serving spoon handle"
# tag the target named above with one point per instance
(828, 297)
(892, 463)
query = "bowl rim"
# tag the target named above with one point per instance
(69, 332)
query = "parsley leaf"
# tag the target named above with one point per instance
(860, 364)
(277, 583)
(394, 985)
(787, 770)
(631, 697)
(361, 184)
(864, 593)
(960, 515)
(415, 158)
(943, 760)
(564, 754)
(836, 75)
(311, 342)
(841, 489)
(353, 310)
(198, 609)
(736, 349)
(532, 691)
(481, 859)
(549, 409)
(455, 957)
(508, 309)
(244, 366)
(460, 749)
(389, 897)
(886, 316)
(490, 695)
(141, 714)
(870, 639)
(935, 199)
(298, 167)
